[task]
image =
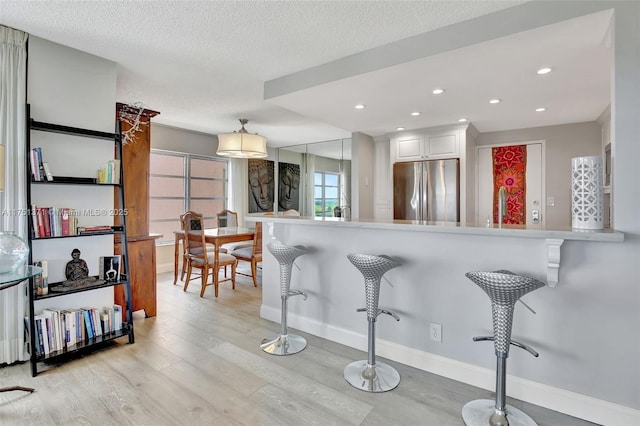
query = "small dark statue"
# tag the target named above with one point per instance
(77, 273)
(77, 268)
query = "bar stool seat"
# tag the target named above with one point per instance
(285, 343)
(504, 289)
(369, 375)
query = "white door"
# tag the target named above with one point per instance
(534, 184)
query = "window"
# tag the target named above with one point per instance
(326, 187)
(179, 182)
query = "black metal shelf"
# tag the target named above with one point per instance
(128, 329)
(53, 294)
(86, 344)
(86, 234)
(72, 180)
(74, 131)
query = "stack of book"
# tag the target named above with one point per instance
(64, 329)
(39, 169)
(54, 222)
(100, 229)
(109, 173)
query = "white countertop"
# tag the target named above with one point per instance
(520, 231)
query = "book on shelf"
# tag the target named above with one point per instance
(37, 166)
(47, 171)
(41, 282)
(109, 173)
(109, 268)
(94, 229)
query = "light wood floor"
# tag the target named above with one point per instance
(199, 362)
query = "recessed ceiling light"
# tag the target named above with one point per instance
(494, 101)
(399, 128)
(462, 120)
(541, 109)
(360, 106)
(415, 113)
(438, 91)
(545, 70)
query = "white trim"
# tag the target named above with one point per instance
(561, 400)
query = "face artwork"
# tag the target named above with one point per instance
(261, 185)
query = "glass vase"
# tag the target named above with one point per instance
(13, 251)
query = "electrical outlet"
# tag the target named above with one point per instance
(435, 332)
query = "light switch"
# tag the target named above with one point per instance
(551, 201)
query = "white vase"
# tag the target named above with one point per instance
(587, 198)
(13, 251)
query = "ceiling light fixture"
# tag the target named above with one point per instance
(438, 91)
(415, 113)
(242, 144)
(399, 128)
(462, 120)
(495, 101)
(360, 106)
(545, 70)
(541, 109)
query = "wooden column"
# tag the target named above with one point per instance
(136, 131)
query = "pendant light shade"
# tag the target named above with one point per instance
(242, 144)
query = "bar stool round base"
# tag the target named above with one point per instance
(284, 345)
(481, 413)
(380, 377)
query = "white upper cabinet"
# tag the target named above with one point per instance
(425, 146)
(408, 149)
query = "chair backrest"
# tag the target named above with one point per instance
(194, 243)
(191, 220)
(227, 219)
(257, 240)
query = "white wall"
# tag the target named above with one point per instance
(72, 88)
(362, 149)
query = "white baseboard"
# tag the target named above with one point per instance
(567, 402)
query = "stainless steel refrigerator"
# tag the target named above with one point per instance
(427, 190)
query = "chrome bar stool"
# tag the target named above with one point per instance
(504, 288)
(285, 343)
(368, 375)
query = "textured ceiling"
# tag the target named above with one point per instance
(203, 64)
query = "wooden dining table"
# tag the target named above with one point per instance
(215, 236)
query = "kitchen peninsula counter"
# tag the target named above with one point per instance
(520, 231)
(431, 287)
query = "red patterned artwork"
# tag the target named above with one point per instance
(509, 170)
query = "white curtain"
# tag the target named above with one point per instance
(239, 191)
(13, 74)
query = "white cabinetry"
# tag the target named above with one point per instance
(434, 143)
(426, 146)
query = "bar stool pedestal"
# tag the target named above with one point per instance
(504, 289)
(285, 343)
(369, 375)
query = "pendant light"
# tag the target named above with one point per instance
(242, 144)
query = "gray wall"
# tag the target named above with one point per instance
(181, 140)
(562, 143)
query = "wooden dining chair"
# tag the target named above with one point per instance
(200, 257)
(227, 219)
(184, 225)
(252, 254)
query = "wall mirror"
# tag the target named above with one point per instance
(315, 179)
